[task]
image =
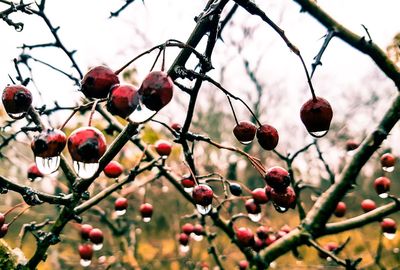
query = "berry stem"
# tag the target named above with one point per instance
(13, 208)
(155, 61)
(233, 110)
(308, 78)
(163, 57)
(92, 112)
(18, 215)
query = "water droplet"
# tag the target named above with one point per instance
(85, 263)
(85, 170)
(47, 165)
(188, 189)
(141, 114)
(280, 209)
(389, 236)
(351, 153)
(388, 169)
(329, 259)
(245, 142)
(255, 217)
(319, 134)
(120, 212)
(396, 250)
(196, 237)
(384, 195)
(17, 116)
(165, 189)
(273, 264)
(204, 210)
(183, 248)
(97, 246)
(146, 219)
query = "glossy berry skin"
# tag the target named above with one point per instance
(244, 131)
(235, 189)
(262, 232)
(98, 81)
(278, 178)
(163, 148)
(202, 195)
(2, 219)
(96, 236)
(368, 205)
(86, 251)
(113, 169)
(198, 229)
(33, 172)
(382, 185)
(156, 90)
(388, 160)
(49, 143)
(260, 196)
(188, 181)
(87, 144)
(340, 210)
(123, 100)
(351, 145)
(267, 137)
(177, 127)
(146, 210)
(316, 115)
(388, 225)
(183, 239)
(243, 265)
(16, 99)
(330, 246)
(4, 230)
(187, 228)
(121, 204)
(285, 198)
(252, 207)
(245, 237)
(85, 231)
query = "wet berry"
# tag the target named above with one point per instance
(98, 81)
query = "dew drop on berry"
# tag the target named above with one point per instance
(183, 249)
(280, 209)
(188, 190)
(85, 170)
(17, 116)
(147, 219)
(47, 165)
(120, 212)
(389, 236)
(319, 134)
(384, 195)
(141, 114)
(204, 210)
(388, 169)
(196, 237)
(255, 217)
(85, 263)
(97, 246)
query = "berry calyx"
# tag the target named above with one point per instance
(244, 132)
(382, 186)
(33, 172)
(340, 210)
(278, 178)
(316, 114)
(245, 237)
(163, 148)
(122, 100)
(235, 189)
(96, 236)
(156, 90)
(202, 195)
(368, 205)
(98, 81)
(267, 137)
(260, 196)
(49, 143)
(86, 251)
(87, 145)
(85, 231)
(17, 100)
(113, 169)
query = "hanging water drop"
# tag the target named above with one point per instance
(97, 246)
(120, 212)
(204, 210)
(396, 250)
(245, 142)
(384, 195)
(85, 263)
(319, 134)
(183, 248)
(17, 116)
(196, 237)
(188, 190)
(329, 259)
(255, 217)
(280, 209)
(388, 169)
(389, 236)
(85, 170)
(47, 165)
(141, 114)
(146, 219)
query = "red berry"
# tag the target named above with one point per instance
(163, 147)
(177, 127)
(85, 231)
(86, 251)
(270, 239)
(16, 100)
(146, 210)
(2, 219)
(96, 236)
(98, 81)
(183, 239)
(285, 228)
(87, 144)
(113, 169)
(33, 172)
(202, 195)
(382, 185)
(4, 230)
(340, 210)
(123, 100)
(368, 205)
(351, 145)
(156, 90)
(258, 244)
(188, 181)
(284, 199)
(316, 115)
(267, 137)
(330, 246)
(121, 204)
(244, 131)
(198, 229)
(49, 143)
(245, 237)
(187, 228)
(388, 225)
(260, 196)
(252, 207)
(278, 178)
(243, 265)
(388, 160)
